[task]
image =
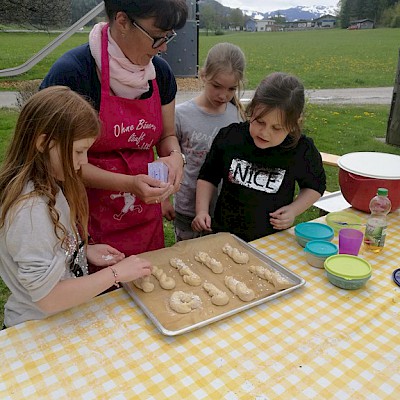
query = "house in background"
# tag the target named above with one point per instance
(264, 25)
(362, 24)
(299, 25)
(251, 25)
(326, 21)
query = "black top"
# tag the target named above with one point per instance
(257, 181)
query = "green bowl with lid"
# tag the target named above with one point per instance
(347, 272)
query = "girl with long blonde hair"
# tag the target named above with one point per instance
(44, 212)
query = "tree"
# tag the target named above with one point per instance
(236, 18)
(391, 16)
(80, 7)
(364, 9)
(208, 18)
(40, 14)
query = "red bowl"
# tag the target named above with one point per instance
(361, 174)
(359, 190)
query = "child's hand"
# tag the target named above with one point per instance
(103, 255)
(202, 222)
(131, 268)
(168, 210)
(282, 218)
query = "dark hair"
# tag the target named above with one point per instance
(283, 92)
(168, 14)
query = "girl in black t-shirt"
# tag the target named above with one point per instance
(260, 161)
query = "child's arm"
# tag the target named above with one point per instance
(168, 211)
(283, 218)
(204, 194)
(75, 291)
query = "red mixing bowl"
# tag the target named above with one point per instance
(362, 173)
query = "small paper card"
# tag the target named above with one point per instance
(158, 170)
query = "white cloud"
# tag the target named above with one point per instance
(272, 5)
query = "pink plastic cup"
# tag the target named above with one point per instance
(350, 241)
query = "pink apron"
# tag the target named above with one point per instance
(130, 129)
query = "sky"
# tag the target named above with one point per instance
(272, 5)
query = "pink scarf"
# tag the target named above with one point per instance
(126, 79)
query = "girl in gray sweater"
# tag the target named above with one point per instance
(198, 121)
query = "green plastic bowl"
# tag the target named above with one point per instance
(347, 272)
(343, 219)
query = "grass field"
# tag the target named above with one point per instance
(331, 58)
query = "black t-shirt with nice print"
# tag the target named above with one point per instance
(257, 181)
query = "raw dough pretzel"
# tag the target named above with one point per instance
(183, 302)
(239, 288)
(144, 284)
(209, 262)
(238, 256)
(187, 274)
(166, 282)
(218, 297)
(273, 277)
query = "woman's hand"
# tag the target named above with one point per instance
(131, 268)
(202, 222)
(151, 190)
(174, 163)
(103, 255)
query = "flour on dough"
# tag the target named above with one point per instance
(208, 261)
(144, 284)
(166, 282)
(187, 274)
(183, 302)
(238, 256)
(218, 297)
(239, 289)
(276, 279)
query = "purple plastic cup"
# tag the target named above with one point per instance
(350, 241)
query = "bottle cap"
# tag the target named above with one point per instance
(382, 192)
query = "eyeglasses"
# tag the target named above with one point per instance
(157, 41)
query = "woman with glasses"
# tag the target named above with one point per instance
(133, 90)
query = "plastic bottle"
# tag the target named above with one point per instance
(375, 231)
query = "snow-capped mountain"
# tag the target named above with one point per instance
(294, 13)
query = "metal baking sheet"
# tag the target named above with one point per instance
(140, 298)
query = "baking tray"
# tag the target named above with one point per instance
(155, 304)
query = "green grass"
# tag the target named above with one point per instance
(331, 58)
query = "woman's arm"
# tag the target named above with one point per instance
(148, 189)
(168, 148)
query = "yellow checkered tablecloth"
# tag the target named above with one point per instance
(318, 342)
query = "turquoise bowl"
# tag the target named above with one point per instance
(318, 251)
(308, 231)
